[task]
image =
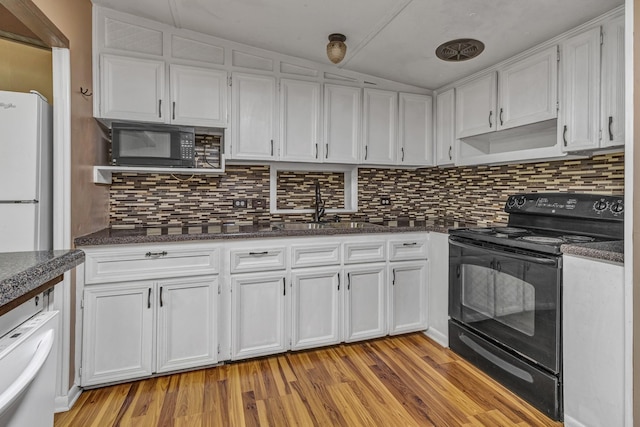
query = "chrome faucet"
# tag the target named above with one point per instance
(319, 205)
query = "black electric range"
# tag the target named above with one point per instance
(542, 222)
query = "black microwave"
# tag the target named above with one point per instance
(137, 144)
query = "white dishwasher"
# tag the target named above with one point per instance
(28, 372)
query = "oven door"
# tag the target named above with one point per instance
(511, 297)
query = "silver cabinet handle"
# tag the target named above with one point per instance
(348, 281)
(161, 302)
(393, 281)
(402, 150)
(284, 286)
(564, 135)
(149, 299)
(272, 147)
(326, 151)
(338, 281)
(174, 110)
(366, 151)
(155, 254)
(490, 114)
(450, 158)
(410, 244)
(316, 151)
(160, 108)
(501, 122)
(259, 253)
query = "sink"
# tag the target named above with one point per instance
(321, 225)
(298, 225)
(352, 225)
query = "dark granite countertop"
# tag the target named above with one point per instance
(22, 272)
(606, 251)
(178, 233)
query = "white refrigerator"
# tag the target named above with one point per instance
(26, 179)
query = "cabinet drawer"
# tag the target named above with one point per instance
(408, 249)
(315, 255)
(260, 259)
(357, 252)
(149, 262)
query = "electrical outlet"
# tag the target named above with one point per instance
(385, 201)
(258, 203)
(240, 203)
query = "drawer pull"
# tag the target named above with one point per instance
(259, 253)
(410, 244)
(155, 254)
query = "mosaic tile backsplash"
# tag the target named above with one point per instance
(468, 195)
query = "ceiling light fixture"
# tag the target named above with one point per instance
(459, 50)
(336, 49)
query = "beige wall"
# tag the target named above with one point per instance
(89, 202)
(24, 68)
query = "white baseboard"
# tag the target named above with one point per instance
(437, 336)
(64, 403)
(571, 422)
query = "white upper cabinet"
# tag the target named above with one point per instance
(300, 120)
(476, 106)
(612, 107)
(445, 127)
(198, 96)
(518, 94)
(342, 123)
(415, 134)
(579, 121)
(132, 89)
(379, 124)
(254, 106)
(528, 90)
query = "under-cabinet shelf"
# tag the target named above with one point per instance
(103, 174)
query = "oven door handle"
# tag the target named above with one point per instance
(528, 258)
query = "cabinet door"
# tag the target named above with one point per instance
(342, 121)
(186, 323)
(300, 120)
(198, 96)
(415, 134)
(132, 89)
(580, 121)
(445, 127)
(315, 307)
(117, 332)
(476, 106)
(379, 124)
(612, 122)
(408, 297)
(259, 323)
(528, 90)
(365, 302)
(253, 102)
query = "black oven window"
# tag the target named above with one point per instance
(501, 293)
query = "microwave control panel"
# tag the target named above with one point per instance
(187, 146)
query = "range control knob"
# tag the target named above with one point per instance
(617, 207)
(600, 205)
(511, 201)
(520, 201)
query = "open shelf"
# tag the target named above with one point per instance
(103, 174)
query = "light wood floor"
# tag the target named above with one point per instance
(398, 381)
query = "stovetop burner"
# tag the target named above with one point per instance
(511, 230)
(543, 240)
(577, 239)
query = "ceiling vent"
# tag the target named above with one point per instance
(459, 50)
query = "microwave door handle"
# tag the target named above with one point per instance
(528, 258)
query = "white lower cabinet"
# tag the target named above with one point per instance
(315, 307)
(186, 323)
(120, 321)
(117, 333)
(258, 314)
(408, 297)
(365, 302)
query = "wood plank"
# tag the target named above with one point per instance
(406, 380)
(37, 22)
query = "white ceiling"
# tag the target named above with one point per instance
(393, 39)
